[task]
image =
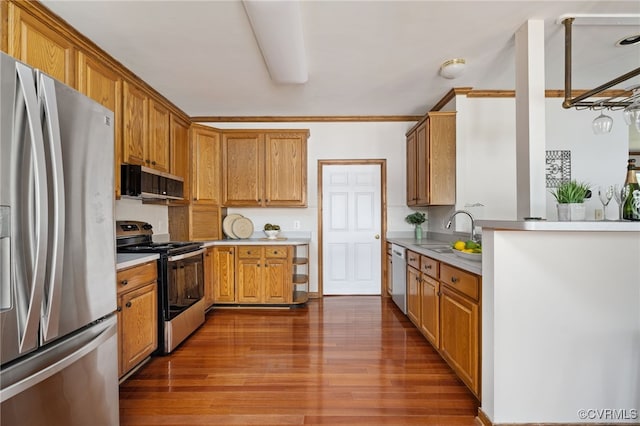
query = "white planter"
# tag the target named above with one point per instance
(571, 211)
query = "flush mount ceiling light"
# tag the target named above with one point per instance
(453, 68)
(277, 26)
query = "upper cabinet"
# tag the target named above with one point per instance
(431, 161)
(179, 152)
(42, 46)
(206, 165)
(264, 168)
(158, 142)
(135, 131)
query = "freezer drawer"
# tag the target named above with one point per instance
(70, 383)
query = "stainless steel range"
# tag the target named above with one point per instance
(180, 281)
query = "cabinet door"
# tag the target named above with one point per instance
(99, 82)
(134, 117)
(411, 169)
(422, 164)
(224, 278)
(139, 325)
(205, 223)
(442, 158)
(179, 152)
(286, 169)
(243, 169)
(158, 141)
(205, 165)
(39, 45)
(249, 280)
(277, 281)
(430, 310)
(459, 336)
(413, 295)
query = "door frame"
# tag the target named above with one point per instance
(382, 163)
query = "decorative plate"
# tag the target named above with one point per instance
(242, 227)
(469, 256)
(226, 225)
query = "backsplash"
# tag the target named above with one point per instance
(156, 215)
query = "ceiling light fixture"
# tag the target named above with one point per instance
(453, 68)
(277, 26)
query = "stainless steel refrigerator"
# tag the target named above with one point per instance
(58, 342)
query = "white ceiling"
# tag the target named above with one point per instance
(364, 57)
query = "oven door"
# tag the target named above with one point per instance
(185, 281)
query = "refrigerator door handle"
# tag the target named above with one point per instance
(55, 247)
(109, 328)
(30, 260)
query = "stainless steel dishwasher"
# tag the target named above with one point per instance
(399, 275)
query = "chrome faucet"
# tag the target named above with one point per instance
(474, 237)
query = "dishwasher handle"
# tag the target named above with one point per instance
(398, 251)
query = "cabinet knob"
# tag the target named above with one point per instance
(266, 265)
(454, 279)
(428, 266)
(147, 161)
(119, 309)
(258, 265)
(128, 305)
(153, 162)
(124, 282)
(275, 252)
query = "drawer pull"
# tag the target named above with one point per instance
(124, 282)
(119, 309)
(454, 279)
(128, 305)
(428, 266)
(275, 252)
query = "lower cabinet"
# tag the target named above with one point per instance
(137, 315)
(444, 303)
(257, 274)
(196, 222)
(264, 274)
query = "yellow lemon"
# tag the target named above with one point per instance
(459, 245)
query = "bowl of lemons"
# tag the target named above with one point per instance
(469, 250)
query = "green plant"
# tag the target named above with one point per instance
(270, 227)
(571, 192)
(416, 218)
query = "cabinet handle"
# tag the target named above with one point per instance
(266, 265)
(119, 309)
(454, 279)
(258, 265)
(147, 161)
(439, 293)
(195, 198)
(128, 305)
(428, 266)
(124, 282)
(153, 162)
(275, 252)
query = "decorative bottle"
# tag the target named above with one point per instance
(631, 205)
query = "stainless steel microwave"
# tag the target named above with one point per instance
(145, 183)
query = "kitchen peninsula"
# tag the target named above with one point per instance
(560, 322)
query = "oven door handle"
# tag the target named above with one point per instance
(185, 255)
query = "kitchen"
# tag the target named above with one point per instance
(371, 140)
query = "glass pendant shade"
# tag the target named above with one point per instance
(602, 124)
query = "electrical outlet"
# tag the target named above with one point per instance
(296, 224)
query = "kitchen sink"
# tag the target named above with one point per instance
(437, 247)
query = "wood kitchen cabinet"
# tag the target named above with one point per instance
(264, 168)
(180, 154)
(40, 43)
(460, 324)
(413, 287)
(137, 315)
(431, 160)
(300, 265)
(264, 274)
(157, 149)
(101, 83)
(135, 118)
(430, 300)
(206, 164)
(220, 275)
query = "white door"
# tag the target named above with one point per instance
(351, 226)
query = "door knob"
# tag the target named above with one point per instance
(377, 237)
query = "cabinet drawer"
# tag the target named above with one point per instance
(276, 251)
(129, 279)
(459, 280)
(249, 252)
(429, 266)
(413, 259)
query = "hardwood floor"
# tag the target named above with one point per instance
(353, 360)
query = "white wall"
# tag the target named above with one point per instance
(485, 165)
(328, 141)
(157, 216)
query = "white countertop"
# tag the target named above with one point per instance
(450, 258)
(127, 260)
(258, 242)
(543, 225)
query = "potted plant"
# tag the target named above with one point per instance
(416, 219)
(570, 197)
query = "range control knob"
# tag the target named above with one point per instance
(147, 226)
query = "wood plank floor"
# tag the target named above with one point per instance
(353, 360)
